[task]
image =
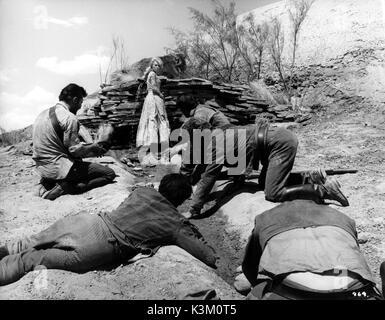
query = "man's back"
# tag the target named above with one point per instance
(147, 220)
(301, 236)
(314, 249)
(145, 216)
(209, 112)
(50, 153)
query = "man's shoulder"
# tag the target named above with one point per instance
(300, 208)
(148, 195)
(204, 107)
(212, 103)
(42, 116)
(64, 116)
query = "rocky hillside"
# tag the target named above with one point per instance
(340, 51)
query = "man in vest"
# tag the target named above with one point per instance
(58, 151)
(303, 250)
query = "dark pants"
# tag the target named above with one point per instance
(76, 243)
(275, 174)
(276, 169)
(83, 176)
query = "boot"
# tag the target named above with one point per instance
(3, 252)
(303, 191)
(54, 193)
(333, 192)
(316, 192)
(317, 176)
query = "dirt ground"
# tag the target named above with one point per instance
(337, 138)
(353, 137)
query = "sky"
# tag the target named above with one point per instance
(44, 45)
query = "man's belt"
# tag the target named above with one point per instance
(366, 292)
(261, 142)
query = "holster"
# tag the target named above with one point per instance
(260, 145)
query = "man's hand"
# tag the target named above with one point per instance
(104, 145)
(187, 215)
(101, 148)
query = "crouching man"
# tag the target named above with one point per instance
(146, 220)
(208, 111)
(302, 250)
(274, 148)
(58, 152)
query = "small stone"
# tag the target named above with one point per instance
(241, 284)
(363, 239)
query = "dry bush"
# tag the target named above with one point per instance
(118, 57)
(15, 136)
(211, 48)
(252, 41)
(297, 11)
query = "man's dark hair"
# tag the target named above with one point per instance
(195, 123)
(71, 91)
(186, 103)
(176, 188)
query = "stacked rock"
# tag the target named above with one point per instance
(121, 104)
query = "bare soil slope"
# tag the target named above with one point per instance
(171, 274)
(338, 137)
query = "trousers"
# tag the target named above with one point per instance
(276, 169)
(83, 176)
(77, 243)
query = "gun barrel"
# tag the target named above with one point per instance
(331, 172)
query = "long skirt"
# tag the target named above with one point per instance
(153, 125)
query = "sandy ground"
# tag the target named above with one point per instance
(340, 138)
(354, 138)
(337, 139)
(349, 134)
(171, 274)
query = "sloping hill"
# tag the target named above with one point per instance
(341, 41)
(15, 136)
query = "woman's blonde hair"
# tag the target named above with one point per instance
(149, 68)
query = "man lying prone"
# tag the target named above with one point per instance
(146, 220)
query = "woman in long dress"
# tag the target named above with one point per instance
(154, 128)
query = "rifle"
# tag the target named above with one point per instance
(330, 172)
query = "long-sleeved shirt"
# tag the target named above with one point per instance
(208, 112)
(302, 236)
(54, 157)
(234, 147)
(147, 220)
